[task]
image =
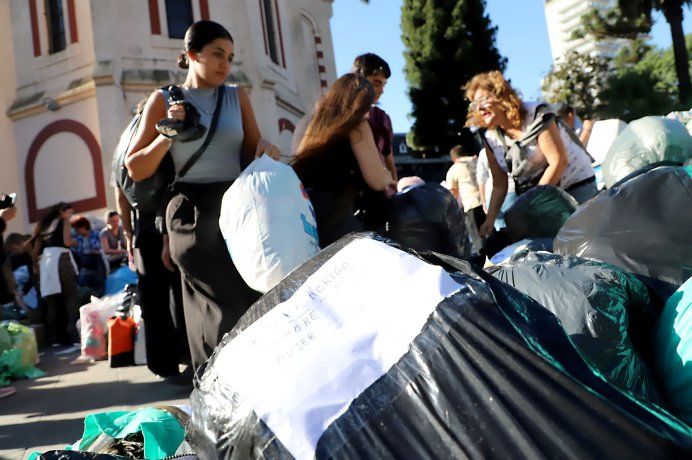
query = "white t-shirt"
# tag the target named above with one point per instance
(578, 162)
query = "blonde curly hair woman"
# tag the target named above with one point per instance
(551, 158)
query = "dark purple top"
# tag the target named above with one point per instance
(381, 126)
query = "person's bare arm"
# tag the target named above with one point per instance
(481, 190)
(66, 233)
(166, 255)
(253, 145)
(106, 249)
(125, 211)
(453, 186)
(550, 143)
(363, 144)
(391, 167)
(587, 127)
(149, 147)
(8, 213)
(36, 253)
(497, 196)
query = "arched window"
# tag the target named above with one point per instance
(55, 21)
(179, 17)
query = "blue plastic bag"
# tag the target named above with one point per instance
(117, 280)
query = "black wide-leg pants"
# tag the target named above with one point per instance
(214, 294)
(161, 301)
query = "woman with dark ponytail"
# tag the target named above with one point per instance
(57, 271)
(214, 294)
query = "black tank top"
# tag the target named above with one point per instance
(55, 238)
(335, 169)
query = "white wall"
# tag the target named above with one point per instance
(9, 170)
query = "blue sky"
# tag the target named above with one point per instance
(522, 38)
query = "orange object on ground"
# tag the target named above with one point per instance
(121, 341)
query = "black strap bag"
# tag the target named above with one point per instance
(150, 196)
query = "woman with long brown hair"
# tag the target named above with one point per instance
(338, 158)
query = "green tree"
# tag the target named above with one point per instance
(447, 43)
(633, 17)
(639, 81)
(643, 83)
(579, 80)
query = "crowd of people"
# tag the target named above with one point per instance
(189, 288)
(52, 272)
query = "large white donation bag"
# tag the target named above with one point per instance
(268, 223)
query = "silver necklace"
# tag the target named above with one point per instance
(213, 98)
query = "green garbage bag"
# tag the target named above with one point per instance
(17, 361)
(596, 304)
(5, 340)
(646, 141)
(673, 348)
(162, 432)
(539, 213)
(24, 340)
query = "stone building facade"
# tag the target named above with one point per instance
(73, 71)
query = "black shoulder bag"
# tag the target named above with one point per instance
(143, 195)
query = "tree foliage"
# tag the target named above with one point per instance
(447, 43)
(639, 81)
(579, 80)
(632, 18)
(644, 85)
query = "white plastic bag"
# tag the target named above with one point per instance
(603, 134)
(140, 337)
(268, 223)
(93, 328)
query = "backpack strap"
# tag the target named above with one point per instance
(514, 153)
(574, 137)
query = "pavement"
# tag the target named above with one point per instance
(48, 413)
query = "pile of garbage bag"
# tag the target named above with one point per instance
(673, 351)
(643, 142)
(427, 218)
(18, 353)
(539, 213)
(370, 351)
(520, 248)
(643, 226)
(594, 302)
(151, 433)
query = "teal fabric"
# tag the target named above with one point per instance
(673, 346)
(162, 432)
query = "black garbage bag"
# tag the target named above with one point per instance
(643, 226)
(520, 248)
(77, 455)
(427, 218)
(539, 213)
(489, 374)
(643, 142)
(594, 302)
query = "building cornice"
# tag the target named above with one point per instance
(34, 105)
